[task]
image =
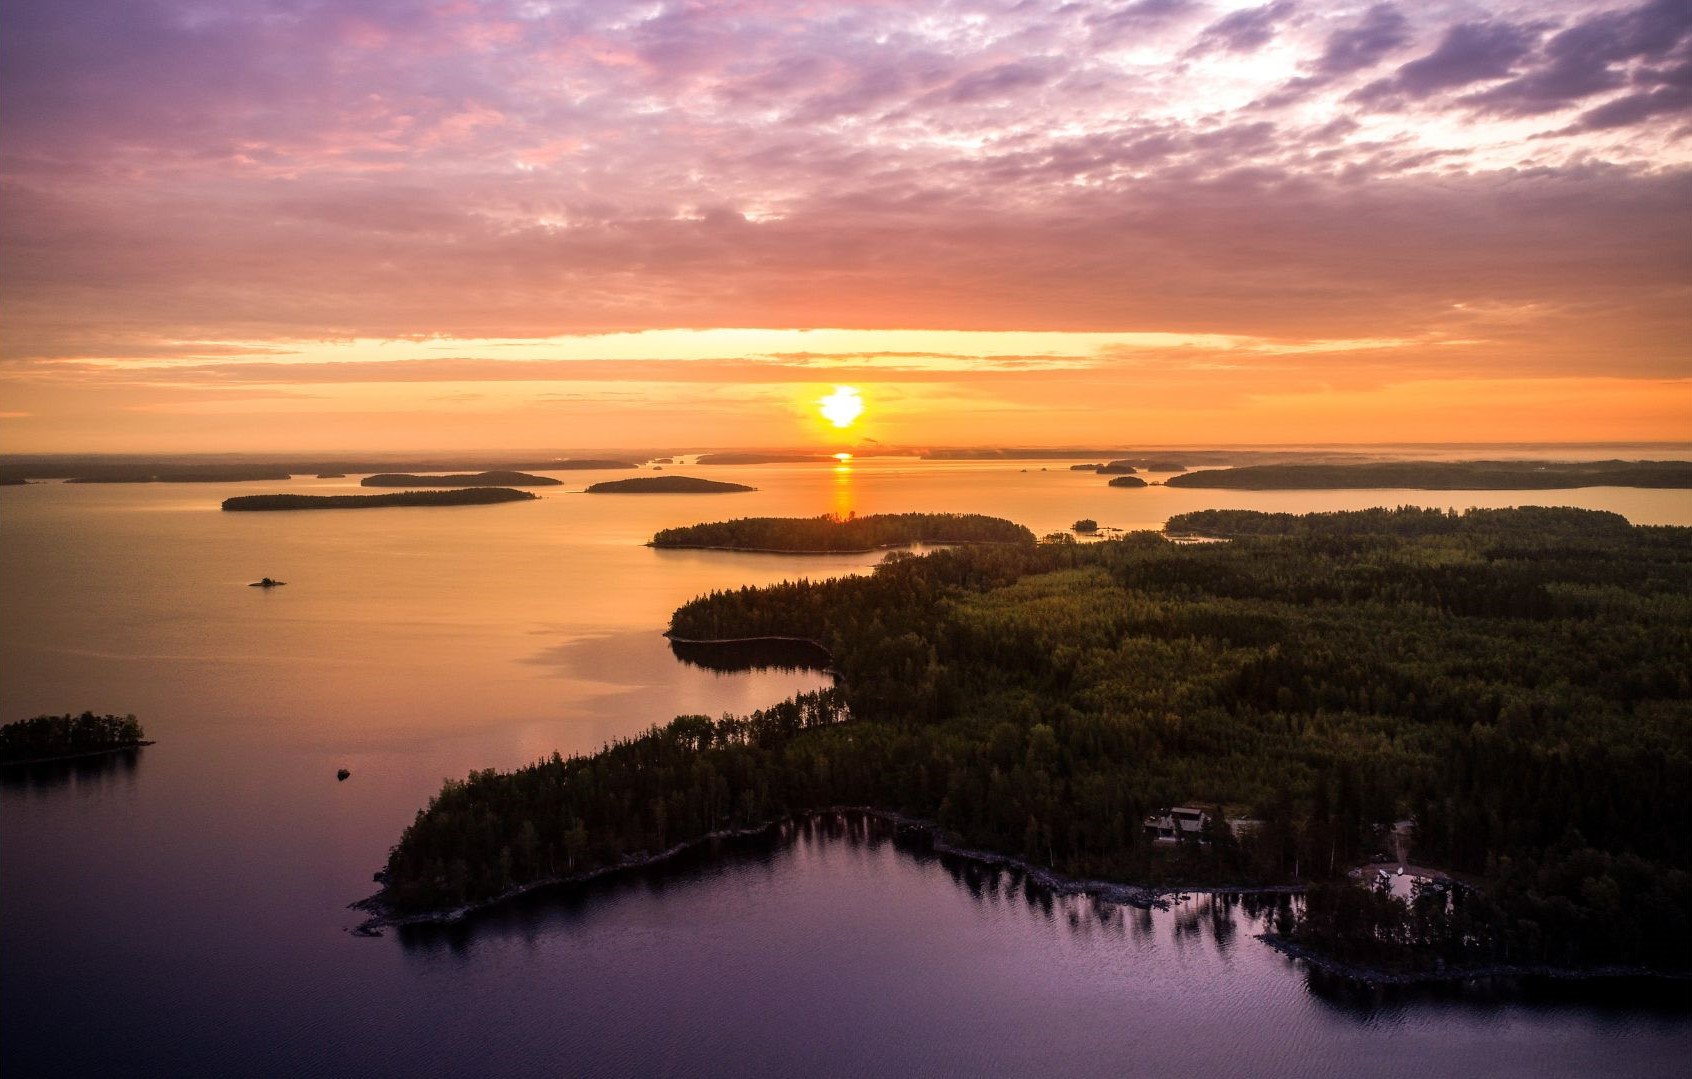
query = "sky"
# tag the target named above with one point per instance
(270, 225)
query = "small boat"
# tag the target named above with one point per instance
(268, 582)
(342, 775)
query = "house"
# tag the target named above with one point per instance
(1180, 821)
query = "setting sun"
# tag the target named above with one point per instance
(842, 406)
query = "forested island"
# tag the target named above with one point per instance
(1513, 681)
(47, 738)
(476, 479)
(459, 496)
(666, 485)
(1126, 481)
(1444, 476)
(833, 535)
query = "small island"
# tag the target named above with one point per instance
(1127, 481)
(849, 535)
(1117, 468)
(1444, 476)
(667, 485)
(331, 475)
(1086, 526)
(268, 582)
(52, 738)
(465, 496)
(476, 479)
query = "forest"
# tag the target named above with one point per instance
(45, 737)
(464, 479)
(457, 496)
(1514, 681)
(830, 534)
(1444, 476)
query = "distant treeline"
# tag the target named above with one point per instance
(665, 485)
(67, 735)
(1513, 680)
(477, 479)
(1445, 476)
(762, 458)
(831, 534)
(91, 469)
(467, 496)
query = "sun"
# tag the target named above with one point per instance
(842, 406)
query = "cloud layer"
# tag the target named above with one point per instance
(190, 179)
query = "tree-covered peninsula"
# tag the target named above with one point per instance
(1514, 681)
(472, 479)
(836, 535)
(1444, 476)
(666, 485)
(46, 738)
(458, 496)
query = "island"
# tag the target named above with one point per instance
(268, 582)
(666, 485)
(179, 474)
(52, 738)
(477, 479)
(1117, 468)
(1510, 685)
(1127, 481)
(1444, 476)
(331, 475)
(765, 458)
(589, 464)
(467, 496)
(1086, 526)
(843, 535)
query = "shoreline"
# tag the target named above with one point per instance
(81, 754)
(905, 546)
(1136, 895)
(1143, 896)
(1380, 976)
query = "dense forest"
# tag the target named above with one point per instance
(458, 496)
(1514, 681)
(45, 737)
(1445, 475)
(500, 478)
(666, 485)
(1127, 481)
(835, 534)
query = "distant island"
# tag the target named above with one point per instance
(763, 458)
(1445, 476)
(853, 535)
(1511, 683)
(331, 475)
(477, 479)
(1118, 468)
(588, 464)
(1127, 481)
(465, 496)
(169, 474)
(48, 738)
(666, 485)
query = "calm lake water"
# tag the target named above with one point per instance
(183, 911)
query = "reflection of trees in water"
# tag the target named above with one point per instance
(733, 657)
(96, 772)
(1200, 920)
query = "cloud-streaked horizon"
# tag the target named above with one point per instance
(199, 197)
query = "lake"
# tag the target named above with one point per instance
(182, 910)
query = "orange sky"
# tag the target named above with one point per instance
(492, 224)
